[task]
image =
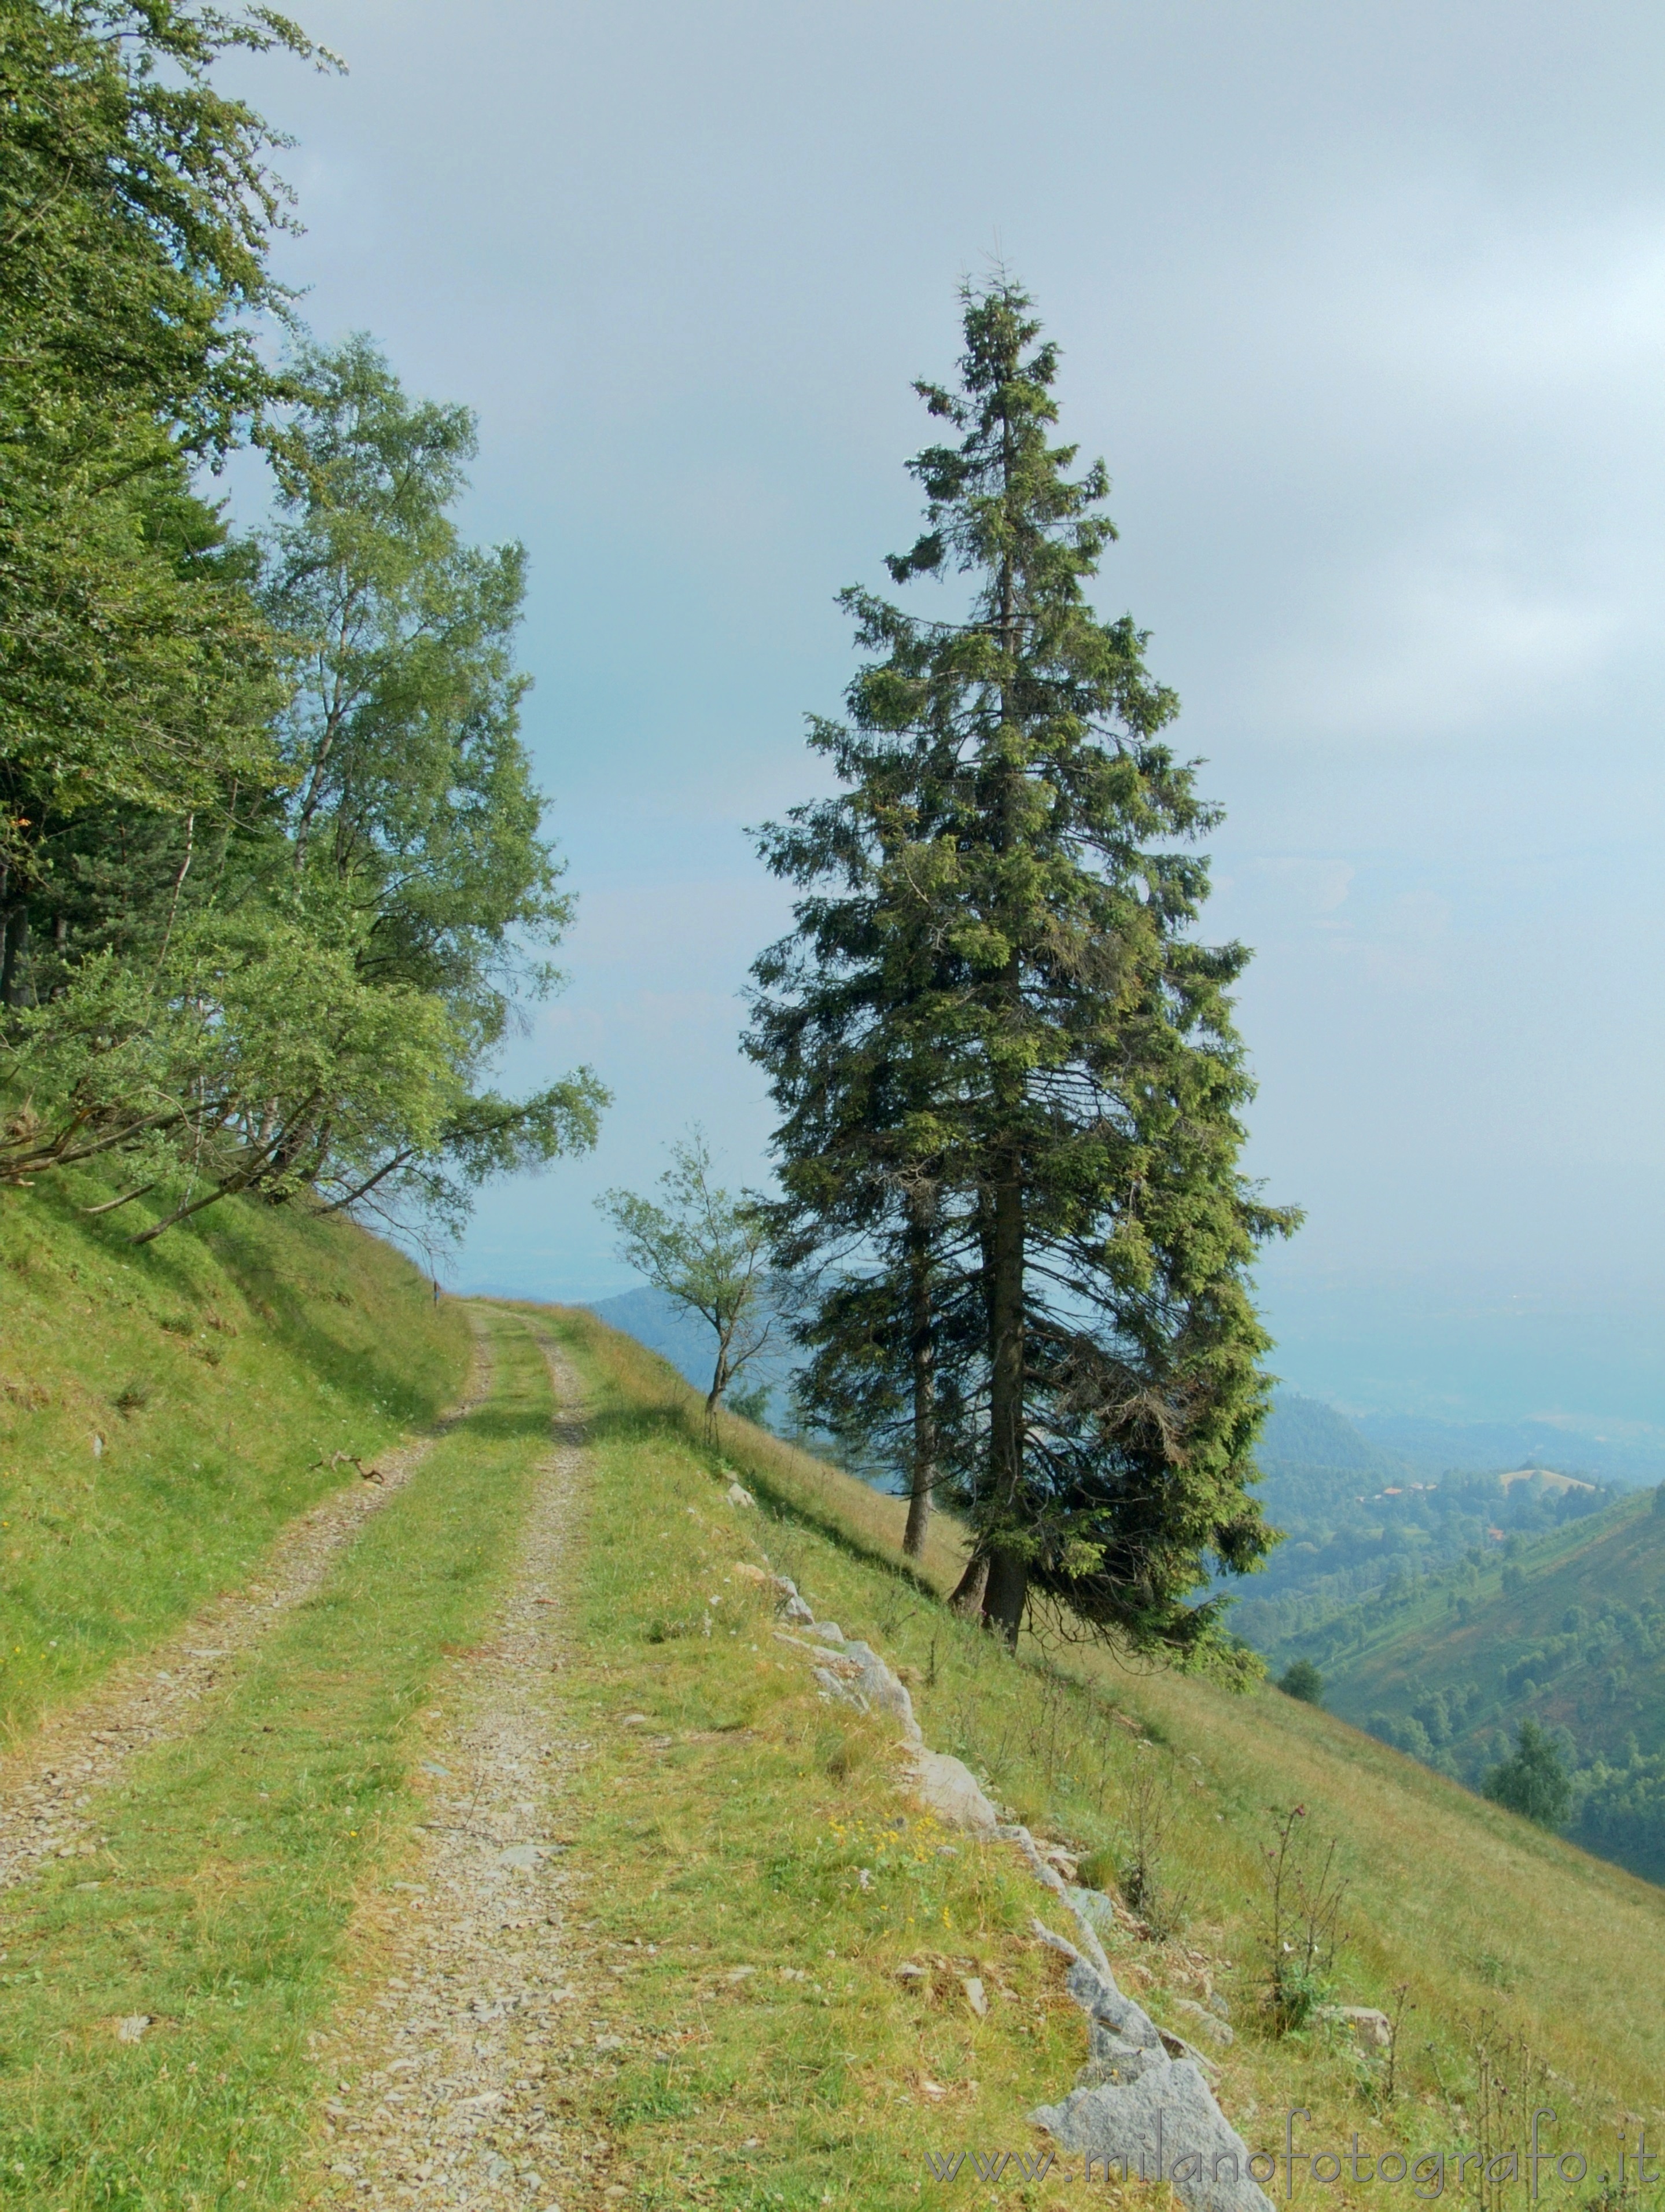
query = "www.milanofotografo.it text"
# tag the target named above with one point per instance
(1429, 2174)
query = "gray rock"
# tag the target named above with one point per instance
(1373, 2028)
(835, 1686)
(1114, 2019)
(1118, 2064)
(947, 1786)
(1092, 1906)
(1207, 2020)
(519, 1855)
(1162, 2125)
(827, 1632)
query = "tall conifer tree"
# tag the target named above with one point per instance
(993, 996)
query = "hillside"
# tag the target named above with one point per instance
(1356, 1520)
(1567, 1631)
(512, 1858)
(164, 1410)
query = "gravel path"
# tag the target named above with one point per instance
(158, 1694)
(446, 2069)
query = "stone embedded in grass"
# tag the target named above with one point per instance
(1373, 2028)
(1208, 2021)
(134, 2026)
(972, 1984)
(737, 1494)
(947, 1786)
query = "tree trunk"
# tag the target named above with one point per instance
(1008, 1576)
(968, 1595)
(922, 1347)
(1005, 1595)
(13, 956)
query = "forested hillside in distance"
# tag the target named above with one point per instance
(1356, 1522)
(1567, 1631)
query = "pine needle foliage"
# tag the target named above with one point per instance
(995, 1042)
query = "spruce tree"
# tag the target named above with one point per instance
(993, 991)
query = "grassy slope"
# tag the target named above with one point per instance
(1425, 1646)
(221, 1901)
(1478, 1916)
(164, 1410)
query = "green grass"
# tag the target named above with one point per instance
(231, 1861)
(163, 1412)
(730, 1839)
(731, 1832)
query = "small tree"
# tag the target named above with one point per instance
(1532, 1781)
(705, 1249)
(1302, 1680)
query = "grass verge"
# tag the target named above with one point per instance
(230, 1862)
(757, 1877)
(1508, 1957)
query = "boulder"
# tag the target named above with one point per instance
(947, 1786)
(1373, 2027)
(1162, 2124)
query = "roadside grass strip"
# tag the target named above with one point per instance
(808, 1990)
(737, 1818)
(209, 1926)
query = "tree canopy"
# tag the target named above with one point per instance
(273, 876)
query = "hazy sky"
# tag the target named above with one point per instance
(1365, 309)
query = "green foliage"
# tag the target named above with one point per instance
(1533, 1782)
(1007, 1076)
(1302, 1680)
(272, 870)
(705, 1249)
(138, 208)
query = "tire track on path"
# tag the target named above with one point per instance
(446, 2068)
(156, 1696)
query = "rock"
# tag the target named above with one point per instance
(827, 1632)
(972, 1984)
(519, 1855)
(747, 1572)
(737, 1494)
(947, 1786)
(1162, 2125)
(634, 1720)
(1092, 1906)
(795, 1609)
(1373, 2028)
(133, 2027)
(1205, 2018)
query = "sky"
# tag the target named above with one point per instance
(1364, 307)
